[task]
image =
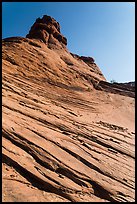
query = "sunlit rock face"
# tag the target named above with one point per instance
(67, 134)
(46, 29)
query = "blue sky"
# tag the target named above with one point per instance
(102, 30)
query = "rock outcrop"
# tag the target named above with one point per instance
(63, 138)
(126, 89)
(47, 29)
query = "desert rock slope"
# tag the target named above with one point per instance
(68, 135)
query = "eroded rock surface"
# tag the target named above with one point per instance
(126, 89)
(63, 139)
(46, 29)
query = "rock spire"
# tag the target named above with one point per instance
(46, 29)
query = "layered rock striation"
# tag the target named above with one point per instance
(126, 89)
(66, 136)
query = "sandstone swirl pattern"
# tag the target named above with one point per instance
(66, 135)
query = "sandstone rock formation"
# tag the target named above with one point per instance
(67, 134)
(47, 29)
(125, 89)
